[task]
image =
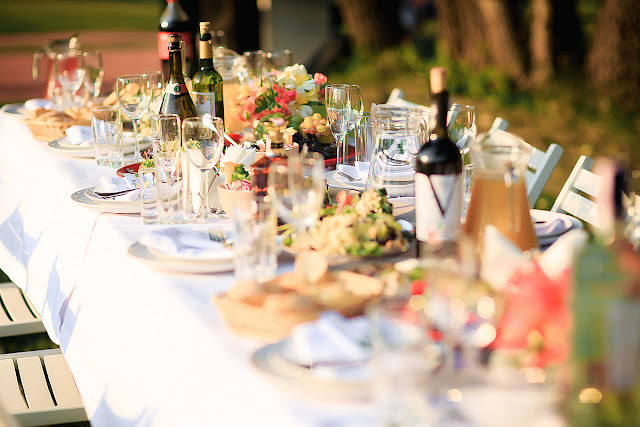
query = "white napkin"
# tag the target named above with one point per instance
(34, 104)
(112, 184)
(184, 242)
(502, 258)
(332, 345)
(80, 136)
(551, 228)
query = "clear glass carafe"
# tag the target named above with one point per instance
(498, 190)
(398, 135)
(231, 67)
(47, 54)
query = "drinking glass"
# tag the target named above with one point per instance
(255, 248)
(156, 84)
(134, 95)
(70, 72)
(364, 143)
(107, 135)
(94, 73)
(149, 201)
(204, 147)
(255, 61)
(404, 359)
(296, 188)
(336, 99)
(278, 59)
(165, 131)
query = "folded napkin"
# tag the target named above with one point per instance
(184, 242)
(81, 136)
(502, 259)
(360, 170)
(111, 184)
(551, 228)
(34, 104)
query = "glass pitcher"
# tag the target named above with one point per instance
(398, 135)
(498, 191)
(233, 70)
(47, 54)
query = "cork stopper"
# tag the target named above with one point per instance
(438, 79)
(204, 27)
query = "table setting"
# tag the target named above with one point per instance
(279, 259)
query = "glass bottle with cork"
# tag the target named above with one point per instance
(176, 98)
(207, 82)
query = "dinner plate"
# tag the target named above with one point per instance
(65, 149)
(334, 180)
(154, 259)
(126, 199)
(105, 205)
(404, 208)
(270, 362)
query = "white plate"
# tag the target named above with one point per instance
(570, 222)
(334, 181)
(88, 152)
(268, 361)
(404, 208)
(13, 109)
(142, 253)
(109, 206)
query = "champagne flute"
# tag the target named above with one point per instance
(357, 109)
(296, 187)
(462, 130)
(134, 95)
(70, 73)
(94, 74)
(336, 99)
(204, 148)
(156, 83)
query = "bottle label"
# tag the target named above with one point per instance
(163, 43)
(205, 103)
(438, 207)
(176, 88)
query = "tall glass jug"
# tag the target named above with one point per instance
(498, 191)
(47, 54)
(398, 135)
(231, 67)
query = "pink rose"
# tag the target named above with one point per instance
(320, 79)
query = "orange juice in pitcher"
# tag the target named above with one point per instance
(498, 192)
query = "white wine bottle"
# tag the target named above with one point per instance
(176, 98)
(438, 176)
(207, 82)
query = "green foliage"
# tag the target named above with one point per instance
(76, 15)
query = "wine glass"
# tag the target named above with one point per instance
(134, 95)
(336, 99)
(203, 145)
(70, 74)
(156, 83)
(94, 73)
(462, 130)
(296, 188)
(357, 109)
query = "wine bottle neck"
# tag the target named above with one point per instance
(175, 66)
(440, 107)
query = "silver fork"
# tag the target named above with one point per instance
(348, 177)
(217, 234)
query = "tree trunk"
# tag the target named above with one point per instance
(540, 42)
(613, 62)
(371, 24)
(500, 37)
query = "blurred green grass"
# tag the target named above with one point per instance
(19, 16)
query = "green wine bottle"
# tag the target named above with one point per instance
(207, 82)
(176, 99)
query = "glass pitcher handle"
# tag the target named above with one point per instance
(35, 66)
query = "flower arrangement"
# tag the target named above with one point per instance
(291, 95)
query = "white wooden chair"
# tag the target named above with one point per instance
(24, 377)
(17, 315)
(578, 196)
(541, 164)
(37, 388)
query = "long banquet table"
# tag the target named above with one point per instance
(146, 347)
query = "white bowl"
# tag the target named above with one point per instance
(231, 199)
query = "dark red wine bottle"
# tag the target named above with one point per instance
(175, 20)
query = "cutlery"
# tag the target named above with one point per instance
(348, 177)
(107, 195)
(217, 234)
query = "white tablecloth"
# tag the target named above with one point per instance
(145, 347)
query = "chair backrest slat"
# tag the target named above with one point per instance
(570, 201)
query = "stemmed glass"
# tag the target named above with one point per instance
(70, 73)
(94, 73)
(134, 95)
(336, 99)
(156, 83)
(165, 130)
(462, 130)
(296, 187)
(204, 148)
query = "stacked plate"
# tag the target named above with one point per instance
(126, 203)
(64, 147)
